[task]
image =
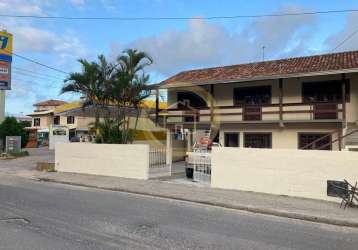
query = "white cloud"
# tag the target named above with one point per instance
(204, 43)
(23, 7)
(352, 42)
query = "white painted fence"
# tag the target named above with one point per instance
(158, 166)
(302, 173)
(119, 160)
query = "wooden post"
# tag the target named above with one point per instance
(156, 106)
(211, 104)
(344, 81)
(280, 98)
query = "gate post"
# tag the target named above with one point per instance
(169, 149)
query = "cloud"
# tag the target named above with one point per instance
(23, 7)
(350, 27)
(205, 43)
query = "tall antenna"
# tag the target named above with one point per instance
(263, 53)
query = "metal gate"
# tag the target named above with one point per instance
(202, 166)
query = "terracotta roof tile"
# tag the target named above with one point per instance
(268, 69)
(50, 103)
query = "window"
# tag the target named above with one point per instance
(307, 138)
(56, 120)
(252, 95)
(70, 119)
(37, 122)
(327, 91)
(258, 140)
(194, 100)
(232, 140)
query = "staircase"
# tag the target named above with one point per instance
(351, 140)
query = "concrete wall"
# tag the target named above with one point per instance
(301, 173)
(120, 160)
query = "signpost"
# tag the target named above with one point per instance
(6, 40)
(13, 144)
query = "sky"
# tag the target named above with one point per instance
(175, 45)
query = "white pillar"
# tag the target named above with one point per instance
(2, 105)
(169, 154)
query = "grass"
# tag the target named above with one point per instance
(19, 153)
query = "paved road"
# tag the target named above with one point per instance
(24, 166)
(37, 215)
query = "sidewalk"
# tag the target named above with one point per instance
(290, 207)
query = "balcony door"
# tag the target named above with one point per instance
(252, 99)
(325, 96)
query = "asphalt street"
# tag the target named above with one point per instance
(39, 215)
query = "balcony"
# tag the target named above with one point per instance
(286, 112)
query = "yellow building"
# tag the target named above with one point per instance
(79, 122)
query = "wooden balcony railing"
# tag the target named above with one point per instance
(268, 112)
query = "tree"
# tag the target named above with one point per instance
(10, 127)
(122, 84)
(130, 87)
(91, 84)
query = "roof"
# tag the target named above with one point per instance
(68, 106)
(38, 113)
(75, 108)
(334, 63)
(50, 103)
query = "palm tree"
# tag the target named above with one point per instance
(91, 83)
(130, 86)
(123, 84)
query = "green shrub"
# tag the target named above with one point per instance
(19, 153)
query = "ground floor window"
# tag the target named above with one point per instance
(257, 140)
(232, 140)
(305, 141)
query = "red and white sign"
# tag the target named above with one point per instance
(5, 75)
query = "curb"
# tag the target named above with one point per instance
(252, 209)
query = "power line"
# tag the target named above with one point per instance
(179, 18)
(345, 40)
(36, 62)
(36, 73)
(39, 63)
(33, 76)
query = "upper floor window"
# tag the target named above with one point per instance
(324, 91)
(56, 120)
(70, 119)
(252, 95)
(191, 99)
(37, 122)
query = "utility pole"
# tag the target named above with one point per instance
(263, 53)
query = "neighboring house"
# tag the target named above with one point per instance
(298, 103)
(42, 120)
(57, 115)
(84, 118)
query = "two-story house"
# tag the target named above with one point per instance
(298, 103)
(49, 114)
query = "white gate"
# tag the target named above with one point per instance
(201, 161)
(158, 166)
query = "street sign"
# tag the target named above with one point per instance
(5, 75)
(6, 46)
(13, 143)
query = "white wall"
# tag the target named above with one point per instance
(301, 173)
(119, 160)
